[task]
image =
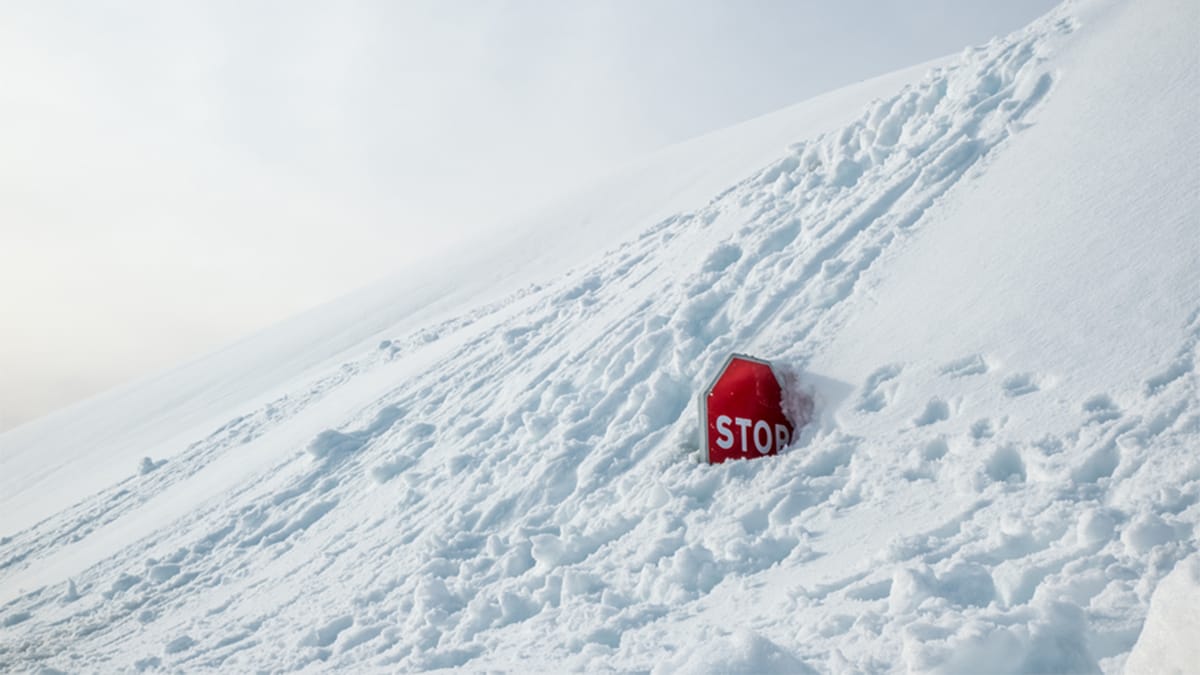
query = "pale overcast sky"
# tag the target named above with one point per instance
(174, 175)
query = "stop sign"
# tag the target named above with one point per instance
(741, 412)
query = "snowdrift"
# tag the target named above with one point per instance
(987, 270)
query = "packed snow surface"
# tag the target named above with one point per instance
(985, 271)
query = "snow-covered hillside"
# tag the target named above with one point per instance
(985, 269)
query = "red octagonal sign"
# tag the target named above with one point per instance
(742, 412)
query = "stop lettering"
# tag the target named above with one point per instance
(767, 440)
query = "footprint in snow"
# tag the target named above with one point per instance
(981, 429)
(966, 366)
(1020, 385)
(936, 410)
(1177, 369)
(1100, 409)
(879, 389)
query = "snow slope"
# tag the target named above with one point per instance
(987, 275)
(47, 464)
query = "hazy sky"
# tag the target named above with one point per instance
(174, 175)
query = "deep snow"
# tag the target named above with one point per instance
(985, 270)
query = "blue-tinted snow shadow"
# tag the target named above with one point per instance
(828, 396)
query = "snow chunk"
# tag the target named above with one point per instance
(936, 410)
(332, 442)
(147, 465)
(547, 550)
(160, 573)
(962, 585)
(1005, 464)
(743, 652)
(72, 593)
(327, 633)
(1148, 531)
(1095, 526)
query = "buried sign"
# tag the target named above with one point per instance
(741, 412)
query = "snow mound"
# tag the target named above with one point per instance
(1168, 643)
(743, 652)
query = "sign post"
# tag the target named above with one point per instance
(741, 412)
